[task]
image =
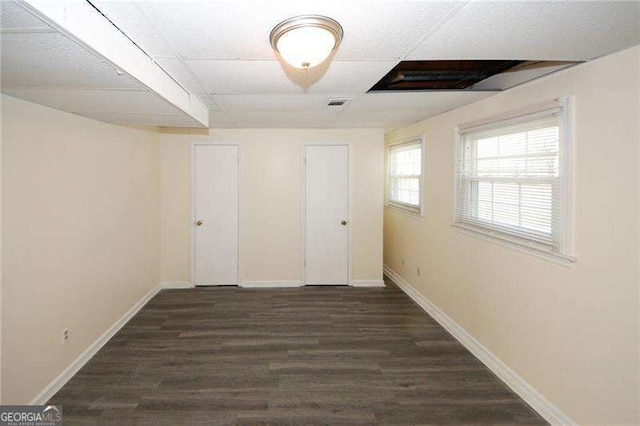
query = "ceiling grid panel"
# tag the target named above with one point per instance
(85, 25)
(217, 54)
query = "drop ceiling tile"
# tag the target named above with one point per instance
(371, 110)
(378, 119)
(129, 17)
(426, 103)
(387, 30)
(13, 17)
(240, 30)
(277, 103)
(351, 76)
(534, 30)
(510, 79)
(96, 101)
(241, 77)
(205, 30)
(272, 77)
(399, 109)
(301, 119)
(53, 60)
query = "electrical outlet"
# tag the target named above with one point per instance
(66, 335)
(418, 271)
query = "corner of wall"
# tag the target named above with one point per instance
(104, 225)
(499, 294)
(1, 321)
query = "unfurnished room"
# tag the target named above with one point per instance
(384, 212)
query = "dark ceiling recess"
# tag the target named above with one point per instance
(441, 75)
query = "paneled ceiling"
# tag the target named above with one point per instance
(42, 65)
(219, 51)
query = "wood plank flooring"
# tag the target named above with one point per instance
(310, 355)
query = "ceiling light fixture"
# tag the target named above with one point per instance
(306, 41)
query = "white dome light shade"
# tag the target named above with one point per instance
(306, 47)
(306, 41)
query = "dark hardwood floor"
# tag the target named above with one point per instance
(310, 355)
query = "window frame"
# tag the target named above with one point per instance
(564, 254)
(411, 209)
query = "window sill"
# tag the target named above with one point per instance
(514, 244)
(407, 211)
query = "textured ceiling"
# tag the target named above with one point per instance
(44, 66)
(564, 30)
(219, 50)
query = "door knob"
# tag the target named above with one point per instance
(343, 223)
(198, 223)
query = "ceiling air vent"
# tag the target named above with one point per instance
(336, 103)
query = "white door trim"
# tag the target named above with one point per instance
(303, 207)
(192, 276)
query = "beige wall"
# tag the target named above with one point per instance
(96, 215)
(1, 400)
(572, 333)
(271, 189)
(81, 232)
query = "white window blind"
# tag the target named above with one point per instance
(405, 175)
(511, 182)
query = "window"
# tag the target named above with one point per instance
(405, 171)
(513, 180)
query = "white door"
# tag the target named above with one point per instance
(216, 196)
(327, 214)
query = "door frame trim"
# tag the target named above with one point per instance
(192, 202)
(303, 208)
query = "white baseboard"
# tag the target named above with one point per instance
(57, 383)
(367, 283)
(270, 284)
(544, 407)
(175, 284)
